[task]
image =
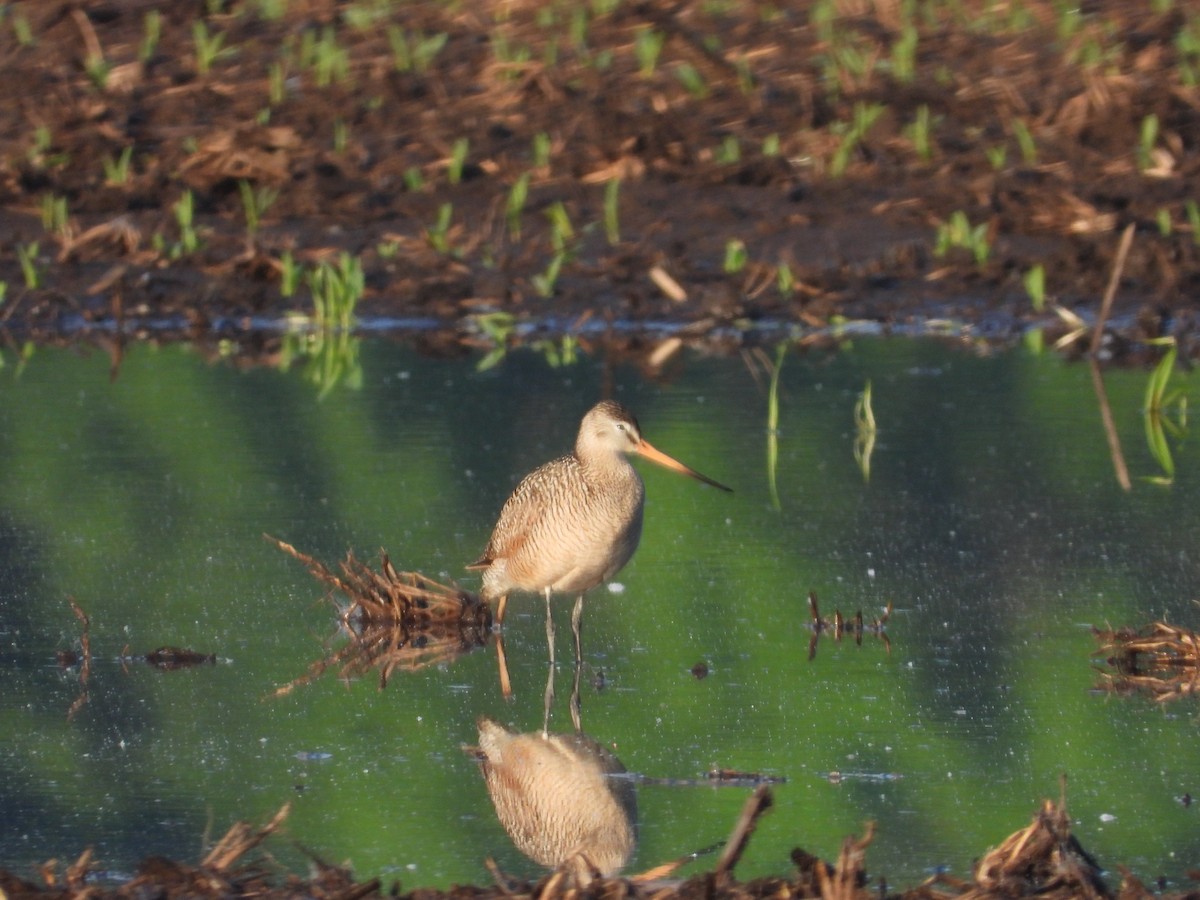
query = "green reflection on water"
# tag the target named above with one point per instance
(992, 520)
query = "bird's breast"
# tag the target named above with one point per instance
(586, 530)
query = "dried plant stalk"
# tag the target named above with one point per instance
(1160, 659)
(395, 620)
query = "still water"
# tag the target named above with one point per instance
(991, 520)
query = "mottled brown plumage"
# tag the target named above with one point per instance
(575, 521)
(557, 797)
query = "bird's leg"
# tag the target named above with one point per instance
(547, 702)
(577, 631)
(502, 659)
(549, 695)
(498, 621)
(549, 627)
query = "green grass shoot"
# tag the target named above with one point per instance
(958, 232)
(151, 35)
(27, 256)
(497, 327)
(336, 290)
(689, 76)
(1147, 138)
(255, 202)
(865, 115)
(918, 133)
(189, 240)
(545, 281)
(865, 432)
(1157, 420)
(1025, 142)
(438, 234)
(785, 280)
(207, 46)
(1192, 211)
(736, 257)
(541, 150)
(612, 211)
(647, 46)
(116, 171)
(514, 208)
(290, 274)
(458, 159)
(773, 426)
(1035, 286)
(55, 217)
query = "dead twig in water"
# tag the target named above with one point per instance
(1160, 659)
(240, 839)
(1111, 291)
(839, 626)
(1110, 428)
(758, 803)
(1043, 858)
(848, 877)
(85, 659)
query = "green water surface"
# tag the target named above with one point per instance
(991, 520)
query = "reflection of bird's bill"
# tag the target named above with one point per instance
(652, 453)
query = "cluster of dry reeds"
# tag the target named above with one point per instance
(1042, 860)
(395, 620)
(839, 626)
(1160, 659)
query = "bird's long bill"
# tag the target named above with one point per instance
(652, 453)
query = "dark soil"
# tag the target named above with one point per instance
(360, 155)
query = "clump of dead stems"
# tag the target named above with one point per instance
(395, 620)
(839, 626)
(1042, 860)
(1159, 659)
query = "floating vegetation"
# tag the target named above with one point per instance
(164, 658)
(1161, 660)
(395, 620)
(171, 658)
(839, 626)
(734, 777)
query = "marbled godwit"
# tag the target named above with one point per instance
(575, 521)
(563, 798)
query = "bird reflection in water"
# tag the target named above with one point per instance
(564, 799)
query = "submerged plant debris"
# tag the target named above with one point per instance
(1043, 860)
(1159, 659)
(395, 620)
(164, 658)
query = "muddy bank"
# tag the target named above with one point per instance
(173, 171)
